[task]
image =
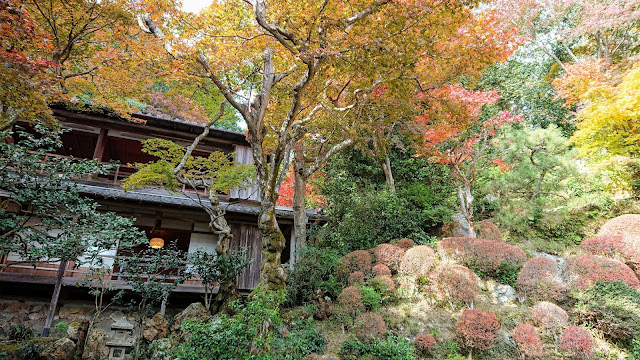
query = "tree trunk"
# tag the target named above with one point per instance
(300, 218)
(466, 205)
(272, 275)
(388, 174)
(54, 298)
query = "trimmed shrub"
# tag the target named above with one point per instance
(577, 342)
(624, 225)
(368, 326)
(454, 283)
(424, 343)
(385, 283)
(482, 255)
(388, 254)
(350, 301)
(528, 340)
(356, 277)
(417, 261)
(584, 270)
(381, 270)
(550, 317)
(359, 260)
(611, 307)
(405, 243)
(477, 329)
(370, 297)
(605, 245)
(540, 279)
(391, 348)
(488, 230)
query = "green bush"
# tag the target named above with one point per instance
(20, 332)
(370, 298)
(507, 273)
(244, 336)
(316, 268)
(31, 351)
(611, 307)
(391, 348)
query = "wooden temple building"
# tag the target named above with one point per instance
(171, 216)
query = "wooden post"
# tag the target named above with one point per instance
(98, 152)
(54, 298)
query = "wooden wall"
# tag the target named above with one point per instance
(246, 235)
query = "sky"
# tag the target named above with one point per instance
(194, 6)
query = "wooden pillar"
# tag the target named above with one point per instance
(98, 152)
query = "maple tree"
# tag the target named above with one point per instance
(457, 134)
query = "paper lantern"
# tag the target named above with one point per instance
(156, 243)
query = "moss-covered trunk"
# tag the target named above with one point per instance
(272, 275)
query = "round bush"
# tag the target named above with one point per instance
(486, 256)
(388, 254)
(605, 245)
(405, 243)
(477, 329)
(385, 283)
(577, 342)
(381, 270)
(356, 277)
(611, 307)
(369, 326)
(359, 260)
(540, 279)
(488, 230)
(425, 343)
(417, 261)
(454, 283)
(584, 270)
(549, 316)
(624, 225)
(350, 301)
(528, 340)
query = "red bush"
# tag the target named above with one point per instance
(549, 316)
(625, 225)
(477, 329)
(584, 270)
(488, 230)
(425, 343)
(528, 340)
(540, 279)
(606, 245)
(356, 277)
(485, 255)
(386, 283)
(577, 341)
(359, 260)
(350, 301)
(368, 326)
(388, 254)
(381, 270)
(417, 261)
(455, 283)
(405, 243)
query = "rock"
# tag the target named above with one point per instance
(323, 305)
(156, 328)
(96, 346)
(161, 349)
(504, 293)
(461, 227)
(77, 330)
(330, 357)
(195, 311)
(74, 312)
(62, 349)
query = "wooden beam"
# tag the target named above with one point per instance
(98, 152)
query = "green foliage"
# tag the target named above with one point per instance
(31, 351)
(390, 348)
(611, 307)
(61, 326)
(507, 273)
(316, 268)
(70, 226)
(218, 172)
(371, 298)
(256, 331)
(20, 332)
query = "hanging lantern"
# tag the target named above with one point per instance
(156, 243)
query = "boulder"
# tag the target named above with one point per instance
(62, 349)
(96, 346)
(156, 328)
(460, 226)
(195, 311)
(77, 330)
(161, 349)
(504, 293)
